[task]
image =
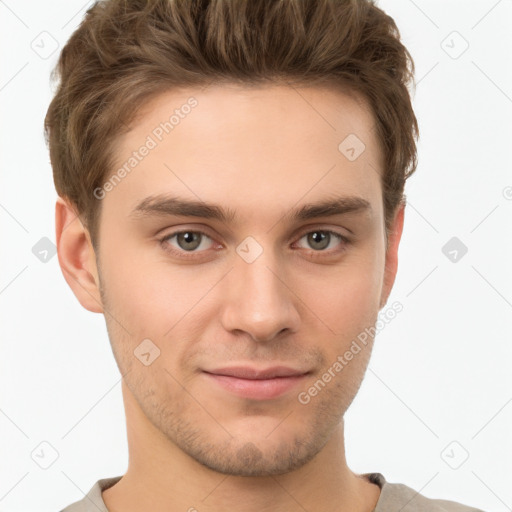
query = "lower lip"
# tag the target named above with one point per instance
(257, 389)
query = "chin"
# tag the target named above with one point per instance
(250, 460)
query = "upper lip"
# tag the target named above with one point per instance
(247, 372)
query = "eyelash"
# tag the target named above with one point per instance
(192, 255)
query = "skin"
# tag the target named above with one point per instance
(260, 152)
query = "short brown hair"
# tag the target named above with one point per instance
(125, 52)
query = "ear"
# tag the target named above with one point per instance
(76, 256)
(391, 265)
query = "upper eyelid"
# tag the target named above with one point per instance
(302, 232)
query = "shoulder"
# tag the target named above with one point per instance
(401, 495)
(396, 496)
(92, 501)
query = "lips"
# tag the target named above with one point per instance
(246, 372)
(256, 383)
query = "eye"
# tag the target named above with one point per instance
(187, 241)
(320, 239)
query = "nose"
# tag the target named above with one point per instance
(258, 300)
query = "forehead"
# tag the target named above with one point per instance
(249, 147)
(219, 110)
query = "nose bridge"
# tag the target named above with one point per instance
(258, 302)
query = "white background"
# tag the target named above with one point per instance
(440, 371)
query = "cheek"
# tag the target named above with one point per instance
(347, 300)
(147, 293)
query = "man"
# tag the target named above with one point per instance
(230, 178)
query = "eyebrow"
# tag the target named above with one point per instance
(162, 205)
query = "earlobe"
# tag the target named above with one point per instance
(76, 256)
(391, 266)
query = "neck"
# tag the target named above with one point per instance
(161, 477)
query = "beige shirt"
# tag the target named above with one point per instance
(393, 498)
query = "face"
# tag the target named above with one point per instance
(199, 306)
